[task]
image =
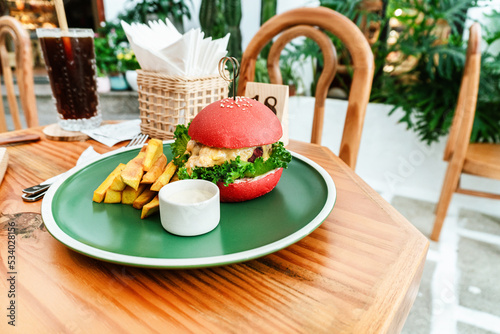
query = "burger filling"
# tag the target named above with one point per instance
(205, 156)
(198, 161)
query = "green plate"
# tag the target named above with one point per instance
(301, 201)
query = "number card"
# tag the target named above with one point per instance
(275, 97)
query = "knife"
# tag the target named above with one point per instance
(20, 139)
(34, 193)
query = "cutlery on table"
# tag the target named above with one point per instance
(35, 193)
(19, 139)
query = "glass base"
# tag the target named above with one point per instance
(80, 124)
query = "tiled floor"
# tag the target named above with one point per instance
(459, 291)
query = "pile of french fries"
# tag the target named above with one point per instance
(137, 183)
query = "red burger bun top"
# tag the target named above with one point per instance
(230, 123)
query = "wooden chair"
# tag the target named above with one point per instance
(312, 22)
(480, 159)
(20, 41)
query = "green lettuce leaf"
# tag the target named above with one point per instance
(178, 147)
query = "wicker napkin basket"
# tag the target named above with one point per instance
(165, 101)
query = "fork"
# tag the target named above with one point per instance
(34, 193)
(138, 140)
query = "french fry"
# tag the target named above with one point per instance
(154, 150)
(100, 192)
(113, 196)
(164, 178)
(130, 183)
(129, 194)
(156, 170)
(151, 207)
(133, 171)
(118, 184)
(145, 197)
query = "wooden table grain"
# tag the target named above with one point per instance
(359, 272)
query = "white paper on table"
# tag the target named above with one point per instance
(112, 134)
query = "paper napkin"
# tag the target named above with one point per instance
(111, 134)
(159, 47)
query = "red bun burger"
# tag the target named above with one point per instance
(235, 144)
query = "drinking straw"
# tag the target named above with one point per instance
(63, 25)
(61, 15)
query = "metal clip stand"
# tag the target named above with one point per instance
(236, 71)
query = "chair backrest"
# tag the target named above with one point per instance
(461, 127)
(12, 34)
(312, 22)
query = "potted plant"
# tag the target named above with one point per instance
(103, 83)
(104, 58)
(289, 76)
(146, 10)
(419, 63)
(427, 91)
(114, 57)
(129, 64)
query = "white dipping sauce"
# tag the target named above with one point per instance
(189, 207)
(190, 196)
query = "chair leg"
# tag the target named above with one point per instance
(450, 184)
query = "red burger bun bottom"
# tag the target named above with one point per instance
(247, 189)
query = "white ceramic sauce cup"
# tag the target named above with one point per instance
(189, 207)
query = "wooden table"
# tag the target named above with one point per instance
(359, 272)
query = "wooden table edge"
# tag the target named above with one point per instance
(401, 310)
